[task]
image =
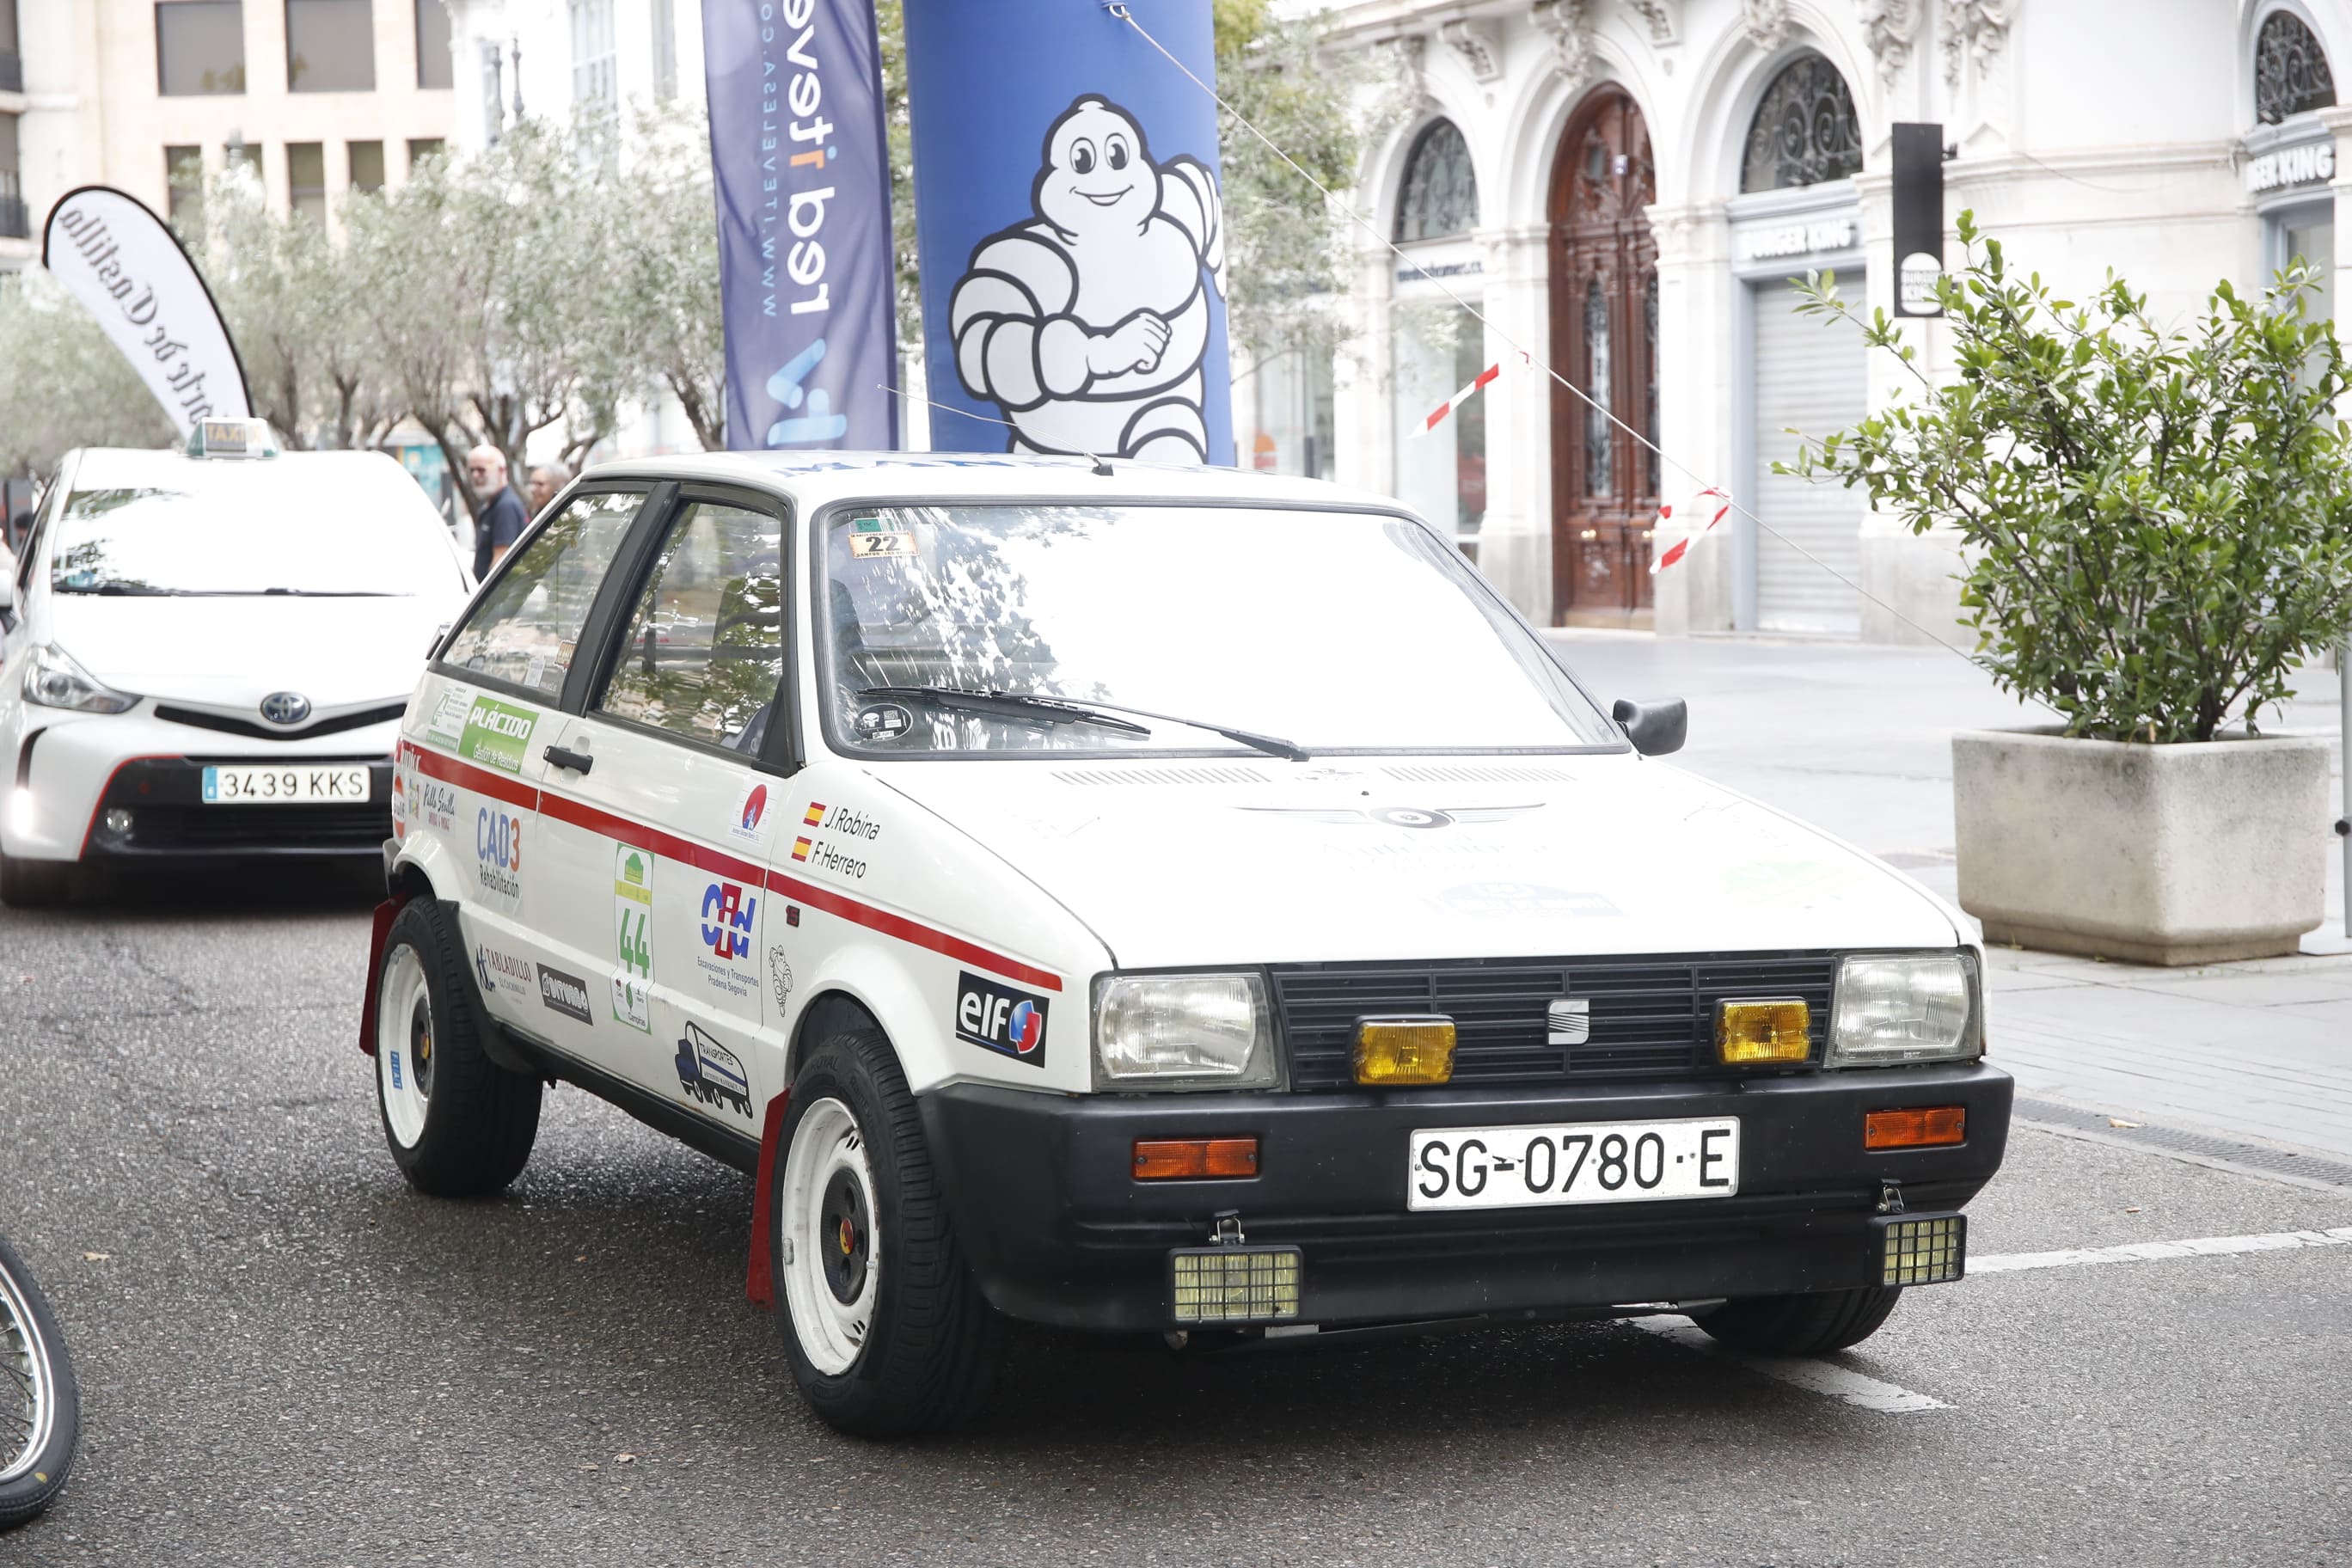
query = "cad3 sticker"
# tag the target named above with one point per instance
(1001, 1018)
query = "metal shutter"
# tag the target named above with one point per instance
(1809, 377)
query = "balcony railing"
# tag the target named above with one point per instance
(12, 72)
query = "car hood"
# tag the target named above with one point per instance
(1203, 863)
(232, 652)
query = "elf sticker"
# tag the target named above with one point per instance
(633, 937)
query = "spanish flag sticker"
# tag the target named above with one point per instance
(799, 848)
(815, 814)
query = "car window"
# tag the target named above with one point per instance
(298, 526)
(527, 627)
(1344, 631)
(705, 648)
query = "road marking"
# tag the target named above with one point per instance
(2145, 1251)
(1822, 1377)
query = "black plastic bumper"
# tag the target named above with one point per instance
(1042, 1191)
(172, 827)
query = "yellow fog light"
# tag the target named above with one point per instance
(1404, 1050)
(1751, 1033)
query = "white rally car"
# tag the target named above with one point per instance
(204, 656)
(1144, 899)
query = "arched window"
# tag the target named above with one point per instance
(1804, 130)
(1440, 195)
(2290, 74)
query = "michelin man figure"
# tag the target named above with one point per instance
(1087, 325)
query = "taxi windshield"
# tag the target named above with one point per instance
(269, 532)
(1334, 631)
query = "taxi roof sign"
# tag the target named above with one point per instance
(233, 438)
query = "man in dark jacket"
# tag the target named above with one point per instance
(502, 519)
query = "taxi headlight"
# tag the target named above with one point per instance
(54, 680)
(1891, 1008)
(1183, 1031)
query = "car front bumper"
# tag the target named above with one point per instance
(1059, 1231)
(70, 770)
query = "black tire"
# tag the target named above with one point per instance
(479, 1120)
(35, 884)
(933, 1344)
(1813, 1324)
(39, 1483)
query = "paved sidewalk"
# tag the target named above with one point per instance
(1857, 740)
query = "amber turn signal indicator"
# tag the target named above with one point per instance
(1930, 1127)
(1182, 1159)
(1403, 1051)
(1761, 1033)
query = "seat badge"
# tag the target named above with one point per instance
(1568, 1021)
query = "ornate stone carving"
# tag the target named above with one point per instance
(1569, 25)
(1409, 57)
(1889, 27)
(1476, 43)
(1972, 27)
(1766, 22)
(1664, 18)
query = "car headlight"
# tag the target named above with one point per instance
(1183, 1031)
(54, 680)
(1907, 1007)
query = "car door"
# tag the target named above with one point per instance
(666, 804)
(494, 705)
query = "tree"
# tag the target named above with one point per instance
(2158, 523)
(63, 383)
(1285, 246)
(672, 271)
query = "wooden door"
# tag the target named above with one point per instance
(1604, 313)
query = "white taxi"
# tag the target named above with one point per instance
(204, 656)
(1144, 899)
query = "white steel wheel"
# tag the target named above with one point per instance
(403, 1045)
(832, 1240)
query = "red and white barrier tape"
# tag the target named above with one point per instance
(1680, 547)
(1438, 416)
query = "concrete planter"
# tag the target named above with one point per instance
(2184, 854)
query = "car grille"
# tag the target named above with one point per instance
(230, 828)
(1651, 1015)
(197, 720)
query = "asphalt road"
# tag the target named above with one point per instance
(287, 1358)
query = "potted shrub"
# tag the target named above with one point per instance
(2157, 528)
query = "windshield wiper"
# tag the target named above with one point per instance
(112, 586)
(321, 593)
(1271, 745)
(1007, 704)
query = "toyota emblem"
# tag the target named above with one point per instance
(286, 708)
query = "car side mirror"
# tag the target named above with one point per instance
(1654, 728)
(19, 525)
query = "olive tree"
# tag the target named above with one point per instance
(2157, 523)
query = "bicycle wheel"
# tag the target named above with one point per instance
(40, 1407)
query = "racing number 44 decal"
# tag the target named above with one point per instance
(1001, 1018)
(633, 940)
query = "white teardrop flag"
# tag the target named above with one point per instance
(128, 269)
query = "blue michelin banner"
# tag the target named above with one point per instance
(1068, 207)
(805, 274)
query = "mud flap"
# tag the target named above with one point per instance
(760, 1280)
(384, 914)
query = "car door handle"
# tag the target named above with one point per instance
(563, 757)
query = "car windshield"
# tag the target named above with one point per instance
(261, 531)
(1335, 631)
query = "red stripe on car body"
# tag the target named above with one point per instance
(718, 862)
